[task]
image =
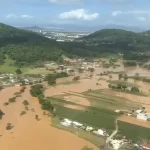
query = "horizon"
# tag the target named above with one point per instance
(79, 13)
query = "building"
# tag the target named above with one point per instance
(116, 144)
(142, 116)
(146, 146)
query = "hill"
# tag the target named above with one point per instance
(25, 46)
(113, 41)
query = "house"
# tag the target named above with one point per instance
(88, 128)
(77, 124)
(102, 132)
(116, 144)
(142, 116)
(146, 146)
(66, 122)
(139, 111)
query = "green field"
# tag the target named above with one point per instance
(133, 131)
(96, 118)
(10, 67)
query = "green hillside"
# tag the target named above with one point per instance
(26, 47)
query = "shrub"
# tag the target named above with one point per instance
(76, 78)
(25, 102)
(9, 126)
(22, 113)
(12, 100)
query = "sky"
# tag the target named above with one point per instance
(76, 12)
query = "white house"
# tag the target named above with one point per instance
(88, 128)
(77, 124)
(116, 144)
(66, 122)
(139, 111)
(142, 116)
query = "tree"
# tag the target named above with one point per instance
(36, 90)
(76, 78)
(18, 71)
(25, 102)
(119, 76)
(124, 87)
(125, 77)
(12, 100)
(1, 87)
(46, 105)
(51, 79)
(135, 89)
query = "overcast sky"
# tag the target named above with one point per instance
(81, 12)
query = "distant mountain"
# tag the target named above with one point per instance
(32, 28)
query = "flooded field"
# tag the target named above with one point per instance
(27, 132)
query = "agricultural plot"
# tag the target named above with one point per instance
(104, 98)
(133, 131)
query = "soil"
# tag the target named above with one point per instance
(78, 100)
(74, 107)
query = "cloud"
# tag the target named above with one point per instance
(63, 1)
(26, 16)
(133, 12)
(11, 16)
(142, 19)
(79, 14)
(14, 16)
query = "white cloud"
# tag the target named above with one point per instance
(133, 12)
(142, 19)
(79, 14)
(14, 16)
(11, 16)
(63, 1)
(26, 16)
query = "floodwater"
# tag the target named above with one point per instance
(28, 133)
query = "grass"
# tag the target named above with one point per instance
(10, 67)
(97, 141)
(95, 118)
(133, 131)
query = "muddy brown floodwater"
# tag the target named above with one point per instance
(28, 133)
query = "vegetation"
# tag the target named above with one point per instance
(18, 71)
(130, 63)
(137, 131)
(51, 78)
(12, 100)
(22, 113)
(25, 102)
(1, 114)
(36, 90)
(28, 48)
(9, 126)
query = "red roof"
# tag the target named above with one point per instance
(147, 145)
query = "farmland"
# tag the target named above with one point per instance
(133, 131)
